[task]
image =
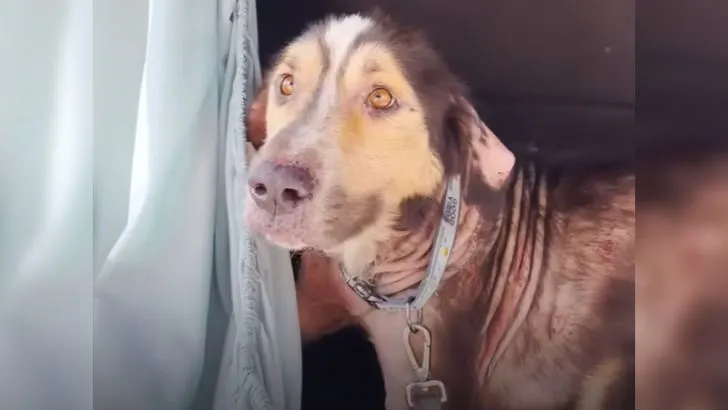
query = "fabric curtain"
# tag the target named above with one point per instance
(46, 188)
(127, 280)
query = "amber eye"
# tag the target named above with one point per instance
(286, 87)
(380, 99)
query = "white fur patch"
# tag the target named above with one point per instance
(341, 34)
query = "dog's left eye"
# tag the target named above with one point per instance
(380, 99)
(286, 86)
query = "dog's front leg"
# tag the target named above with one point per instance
(385, 329)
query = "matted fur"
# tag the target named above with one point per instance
(537, 307)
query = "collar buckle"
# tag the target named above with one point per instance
(363, 289)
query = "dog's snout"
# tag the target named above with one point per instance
(279, 187)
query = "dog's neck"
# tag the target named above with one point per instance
(492, 276)
(400, 261)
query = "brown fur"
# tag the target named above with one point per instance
(560, 244)
(321, 307)
(255, 119)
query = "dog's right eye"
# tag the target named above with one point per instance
(286, 87)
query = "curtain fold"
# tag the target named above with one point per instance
(45, 205)
(261, 366)
(127, 279)
(151, 295)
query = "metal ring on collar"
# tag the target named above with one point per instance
(417, 317)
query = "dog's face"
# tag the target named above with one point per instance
(358, 121)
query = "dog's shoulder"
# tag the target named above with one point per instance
(589, 262)
(594, 219)
(597, 262)
(602, 196)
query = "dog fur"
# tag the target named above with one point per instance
(536, 310)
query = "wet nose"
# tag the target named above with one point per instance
(279, 187)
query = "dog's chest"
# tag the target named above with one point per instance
(522, 379)
(386, 332)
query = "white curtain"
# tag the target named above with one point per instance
(127, 280)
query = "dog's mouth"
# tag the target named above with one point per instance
(321, 225)
(284, 228)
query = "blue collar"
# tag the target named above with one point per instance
(443, 245)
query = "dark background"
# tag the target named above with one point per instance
(597, 81)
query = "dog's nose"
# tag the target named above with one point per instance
(279, 187)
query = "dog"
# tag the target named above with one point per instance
(367, 146)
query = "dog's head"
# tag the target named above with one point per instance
(359, 123)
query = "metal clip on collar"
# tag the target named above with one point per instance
(422, 370)
(423, 390)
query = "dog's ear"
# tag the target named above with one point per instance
(476, 147)
(255, 127)
(466, 146)
(488, 163)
